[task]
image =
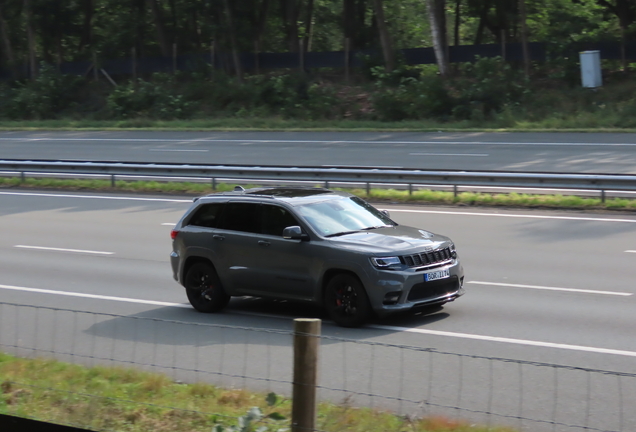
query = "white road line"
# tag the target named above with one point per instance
(450, 154)
(361, 166)
(584, 291)
(64, 250)
(96, 197)
(177, 150)
(380, 327)
(630, 251)
(93, 296)
(516, 216)
(507, 340)
(168, 224)
(285, 141)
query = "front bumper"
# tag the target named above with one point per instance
(396, 291)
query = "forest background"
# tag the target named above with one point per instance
(39, 36)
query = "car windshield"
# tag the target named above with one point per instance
(343, 216)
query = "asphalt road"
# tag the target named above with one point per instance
(542, 152)
(549, 287)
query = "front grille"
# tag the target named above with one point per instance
(431, 290)
(426, 258)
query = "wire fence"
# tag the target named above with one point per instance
(410, 381)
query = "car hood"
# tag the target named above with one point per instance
(400, 239)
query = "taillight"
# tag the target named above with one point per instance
(173, 234)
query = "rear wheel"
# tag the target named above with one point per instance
(204, 289)
(346, 301)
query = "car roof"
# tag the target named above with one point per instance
(292, 195)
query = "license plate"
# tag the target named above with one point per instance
(437, 274)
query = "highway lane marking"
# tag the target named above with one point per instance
(579, 218)
(168, 224)
(96, 197)
(177, 150)
(584, 291)
(508, 340)
(630, 251)
(93, 296)
(64, 250)
(284, 141)
(450, 154)
(380, 327)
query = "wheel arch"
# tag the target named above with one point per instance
(330, 274)
(190, 261)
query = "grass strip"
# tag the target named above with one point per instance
(274, 124)
(130, 400)
(393, 196)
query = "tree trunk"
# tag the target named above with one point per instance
(483, 17)
(161, 29)
(7, 48)
(87, 28)
(233, 41)
(524, 38)
(458, 4)
(308, 25)
(30, 37)
(140, 27)
(437, 17)
(385, 38)
(290, 14)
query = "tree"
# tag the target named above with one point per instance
(385, 38)
(437, 17)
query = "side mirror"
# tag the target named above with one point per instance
(293, 233)
(385, 213)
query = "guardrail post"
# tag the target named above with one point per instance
(326, 184)
(112, 180)
(602, 195)
(213, 183)
(22, 177)
(410, 188)
(306, 343)
(368, 189)
(455, 191)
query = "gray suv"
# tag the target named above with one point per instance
(326, 247)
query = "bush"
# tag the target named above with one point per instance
(148, 99)
(47, 96)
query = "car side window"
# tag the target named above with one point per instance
(207, 215)
(245, 217)
(275, 219)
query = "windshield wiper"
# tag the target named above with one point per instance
(342, 233)
(376, 227)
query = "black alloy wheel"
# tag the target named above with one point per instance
(346, 301)
(204, 289)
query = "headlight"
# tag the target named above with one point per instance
(386, 262)
(453, 250)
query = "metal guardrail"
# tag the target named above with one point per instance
(326, 175)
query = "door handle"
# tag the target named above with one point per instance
(263, 243)
(218, 237)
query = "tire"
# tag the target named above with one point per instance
(204, 289)
(346, 301)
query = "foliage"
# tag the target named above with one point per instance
(148, 99)
(47, 96)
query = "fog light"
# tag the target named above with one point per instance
(391, 298)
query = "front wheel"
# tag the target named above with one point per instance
(204, 289)
(346, 301)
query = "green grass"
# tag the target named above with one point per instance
(375, 195)
(129, 400)
(569, 124)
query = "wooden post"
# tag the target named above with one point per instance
(257, 68)
(174, 58)
(347, 47)
(134, 63)
(95, 71)
(306, 344)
